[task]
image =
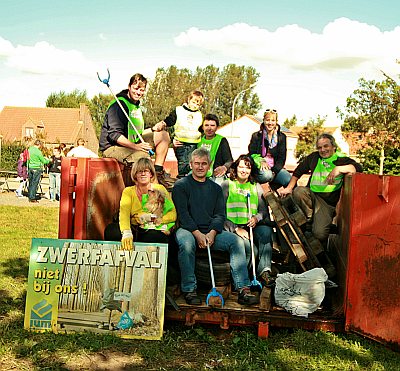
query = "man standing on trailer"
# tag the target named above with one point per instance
(119, 140)
(201, 213)
(319, 198)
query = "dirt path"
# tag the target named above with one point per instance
(10, 199)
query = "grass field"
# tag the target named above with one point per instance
(182, 348)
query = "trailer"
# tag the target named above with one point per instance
(366, 252)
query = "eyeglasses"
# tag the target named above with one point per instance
(146, 171)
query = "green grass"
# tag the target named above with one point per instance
(182, 348)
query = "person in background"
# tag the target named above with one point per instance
(268, 149)
(319, 198)
(119, 140)
(55, 174)
(36, 162)
(22, 172)
(218, 146)
(81, 150)
(236, 190)
(147, 213)
(186, 120)
(201, 214)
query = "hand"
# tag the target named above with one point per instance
(127, 240)
(145, 218)
(201, 239)
(264, 166)
(177, 143)
(241, 232)
(220, 171)
(330, 179)
(160, 126)
(283, 192)
(211, 237)
(144, 147)
(252, 222)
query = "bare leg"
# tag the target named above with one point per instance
(161, 142)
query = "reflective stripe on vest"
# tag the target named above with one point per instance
(322, 170)
(187, 125)
(212, 145)
(236, 204)
(136, 116)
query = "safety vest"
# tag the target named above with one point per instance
(168, 206)
(212, 145)
(136, 116)
(187, 125)
(237, 204)
(324, 167)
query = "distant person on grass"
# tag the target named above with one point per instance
(35, 169)
(81, 150)
(55, 175)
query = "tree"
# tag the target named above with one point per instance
(67, 100)
(171, 87)
(98, 106)
(308, 135)
(373, 112)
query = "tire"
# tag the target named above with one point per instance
(222, 272)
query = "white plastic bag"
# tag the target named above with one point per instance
(301, 294)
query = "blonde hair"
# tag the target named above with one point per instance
(196, 93)
(144, 163)
(271, 112)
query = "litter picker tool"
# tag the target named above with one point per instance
(107, 82)
(214, 292)
(255, 283)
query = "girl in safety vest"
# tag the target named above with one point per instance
(240, 219)
(218, 146)
(268, 149)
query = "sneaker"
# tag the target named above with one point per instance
(246, 297)
(35, 201)
(18, 194)
(266, 279)
(165, 179)
(192, 298)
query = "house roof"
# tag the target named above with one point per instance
(59, 124)
(327, 129)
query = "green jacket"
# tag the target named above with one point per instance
(36, 158)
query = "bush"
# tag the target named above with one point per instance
(9, 155)
(370, 159)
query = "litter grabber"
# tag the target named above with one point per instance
(214, 295)
(107, 83)
(255, 284)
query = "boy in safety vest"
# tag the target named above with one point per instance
(186, 120)
(319, 198)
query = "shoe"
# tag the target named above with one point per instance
(192, 298)
(35, 201)
(266, 279)
(166, 180)
(246, 297)
(18, 194)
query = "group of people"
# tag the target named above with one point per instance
(216, 202)
(32, 163)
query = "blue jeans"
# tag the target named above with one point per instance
(34, 179)
(266, 176)
(54, 182)
(182, 154)
(224, 241)
(262, 236)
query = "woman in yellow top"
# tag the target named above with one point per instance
(146, 209)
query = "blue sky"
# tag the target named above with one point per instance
(310, 54)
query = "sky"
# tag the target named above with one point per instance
(309, 54)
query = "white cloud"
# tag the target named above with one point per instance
(102, 37)
(44, 58)
(343, 44)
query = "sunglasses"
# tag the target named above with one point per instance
(270, 110)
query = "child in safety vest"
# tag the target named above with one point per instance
(186, 120)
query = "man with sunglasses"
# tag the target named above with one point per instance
(319, 198)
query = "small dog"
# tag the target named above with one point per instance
(154, 207)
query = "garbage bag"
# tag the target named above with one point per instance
(125, 322)
(301, 294)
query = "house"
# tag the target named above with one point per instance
(238, 133)
(54, 125)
